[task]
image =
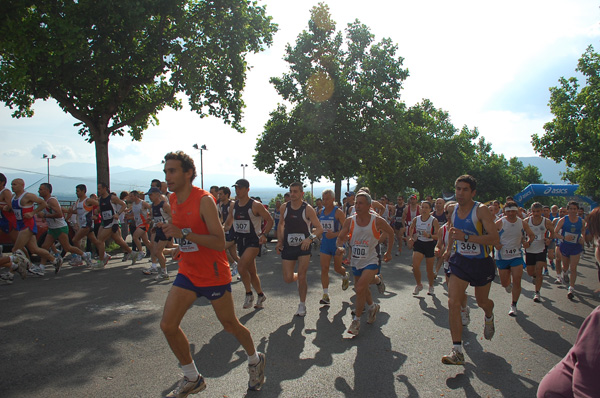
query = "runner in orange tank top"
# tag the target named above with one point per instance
(203, 271)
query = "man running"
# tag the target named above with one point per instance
(246, 216)
(110, 224)
(22, 205)
(535, 254)
(364, 230)
(509, 256)
(83, 208)
(471, 264)
(58, 228)
(203, 271)
(399, 223)
(294, 239)
(570, 230)
(225, 201)
(139, 211)
(8, 222)
(331, 218)
(161, 213)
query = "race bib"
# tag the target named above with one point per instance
(241, 226)
(158, 219)
(468, 248)
(399, 219)
(185, 245)
(18, 214)
(295, 239)
(328, 225)
(360, 251)
(510, 253)
(107, 214)
(571, 238)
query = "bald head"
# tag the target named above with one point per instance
(17, 185)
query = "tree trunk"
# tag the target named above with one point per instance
(338, 190)
(102, 164)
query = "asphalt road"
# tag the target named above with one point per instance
(89, 333)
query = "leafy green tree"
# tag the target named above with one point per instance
(338, 91)
(574, 133)
(113, 65)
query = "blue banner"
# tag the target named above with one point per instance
(532, 190)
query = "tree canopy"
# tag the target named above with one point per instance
(573, 135)
(113, 65)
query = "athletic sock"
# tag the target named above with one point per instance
(325, 291)
(253, 359)
(457, 346)
(259, 294)
(190, 371)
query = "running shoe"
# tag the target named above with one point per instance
(35, 270)
(248, 301)
(260, 301)
(162, 276)
(187, 387)
(430, 291)
(87, 257)
(22, 264)
(150, 271)
(325, 299)
(489, 329)
(512, 311)
(558, 281)
(465, 316)
(537, 298)
(234, 269)
(570, 292)
(257, 374)
(354, 327)
(454, 358)
(107, 258)
(345, 281)
(546, 273)
(509, 288)
(381, 285)
(373, 313)
(126, 257)
(134, 257)
(301, 310)
(7, 278)
(418, 288)
(57, 264)
(98, 265)
(565, 277)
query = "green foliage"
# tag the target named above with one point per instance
(340, 89)
(574, 133)
(113, 65)
(279, 197)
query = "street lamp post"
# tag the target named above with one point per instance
(201, 148)
(48, 159)
(244, 170)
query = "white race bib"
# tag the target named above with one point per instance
(468, 248)
(571, 238)
(107, 214)
(360, 251)
(295, 239)
(241, 226)
(510, 253)
(18, 214)
(328, 225)
(185, 245)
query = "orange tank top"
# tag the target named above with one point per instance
(201, 265)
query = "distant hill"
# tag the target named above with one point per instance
(549, 168)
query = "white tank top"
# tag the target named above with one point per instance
(363, 242)
(511, 236)
(423, 227)
(538, 245)
(54, 223)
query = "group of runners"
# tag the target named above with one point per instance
(217, 236)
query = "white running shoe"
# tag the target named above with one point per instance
(248, 301)
(488, 328)
(257, 374)
(234, 268)
(465, 316)
(430, 291)
(260, 301)
(513, 310)
(509, 288)
(418, 288)
(301, 310)
(354, 328)
(373, 313)
(570, 292)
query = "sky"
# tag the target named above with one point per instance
(488, 64)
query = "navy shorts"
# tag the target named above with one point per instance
(159, 235)
(4, 225)
(293, 252)
(476, 271)
(230, 235)
(328, 246)
(425, 248)
(210, 292)
(570, 249)
(532, 258)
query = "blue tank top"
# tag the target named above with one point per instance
(329, 222)
(470, 225)
(572, 231)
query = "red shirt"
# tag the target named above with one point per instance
(201, 265)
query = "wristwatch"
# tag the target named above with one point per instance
(312, 236)
(184, 233)
(466, 238)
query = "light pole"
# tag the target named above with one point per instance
(201, 148)
(244, 170)
(48, 158)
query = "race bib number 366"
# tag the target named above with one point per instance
(468, 248)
